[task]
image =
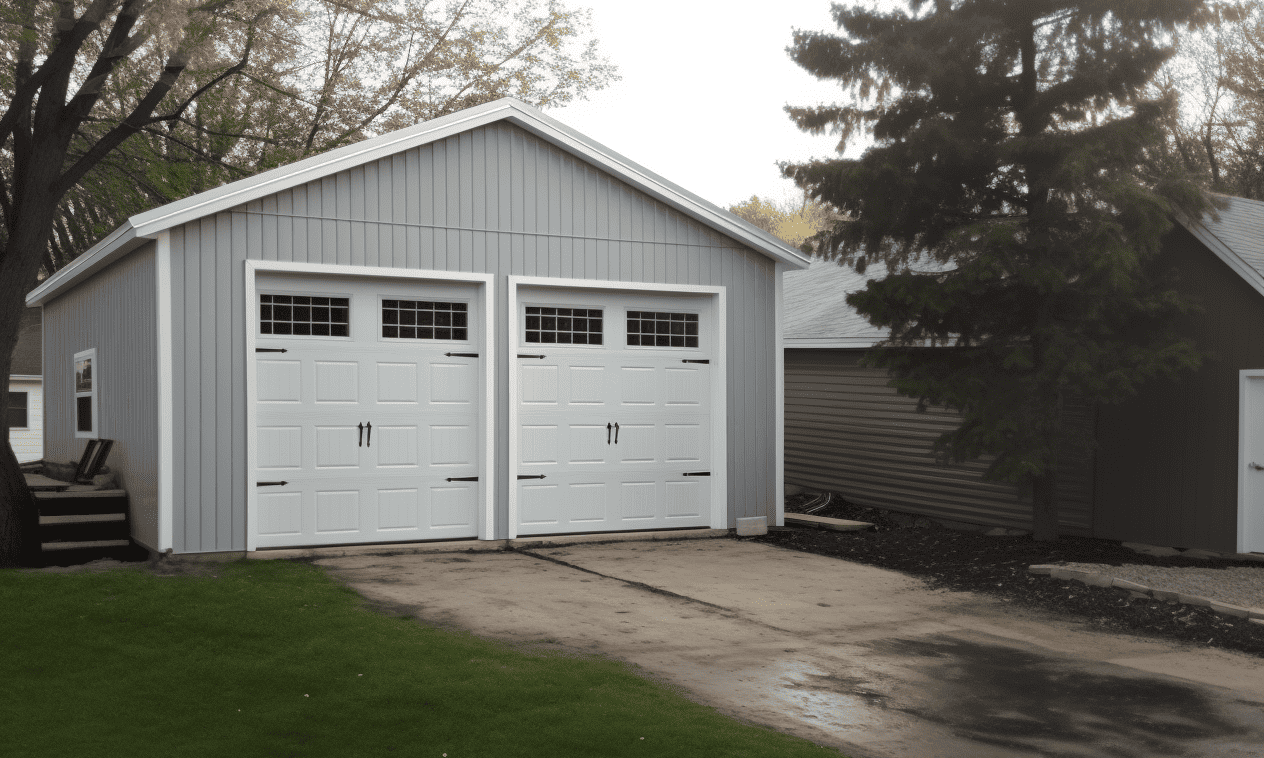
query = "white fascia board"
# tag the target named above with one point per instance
(121, 241)
(26, 378)
(1224, 253)
(791, 343)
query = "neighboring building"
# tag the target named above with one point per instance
(483, 326)
(1180, 464)
(26, 391)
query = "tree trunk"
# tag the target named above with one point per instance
(19, 520)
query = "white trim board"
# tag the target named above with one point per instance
(719, 381)
(1244, 375)
(487, 469)
(235, 194)
(779, 380)
(166, 395)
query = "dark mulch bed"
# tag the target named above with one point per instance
(997, 566)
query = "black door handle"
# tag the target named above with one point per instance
(616, 432)
(369, 441)
(361, 428)
(530, 476)
(607, 433)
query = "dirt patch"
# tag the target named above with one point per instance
(997, 566)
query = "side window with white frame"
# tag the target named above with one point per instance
(86, 391)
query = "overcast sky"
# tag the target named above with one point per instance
(703, 90)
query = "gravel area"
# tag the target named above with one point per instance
(1237, 585)
(998, 566)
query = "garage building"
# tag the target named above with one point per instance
(483, 326)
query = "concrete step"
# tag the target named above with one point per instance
(82, 518)
(824, 522)
(83, 545)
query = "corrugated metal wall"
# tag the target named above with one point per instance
(848, 432)
(115, 311)
(494, 199)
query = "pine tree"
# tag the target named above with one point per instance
(1009, 144)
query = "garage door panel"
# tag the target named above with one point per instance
(397, 383)
(337, 511)
(454, 506)
(453, 383)
(336, 447)
(337, 382)
(280, 448)
(537, 385)
(639, 500)
(586, 444)
(586, 503)
(639, 444)
(396, 446)
(343, 483)
(686, 387)
(639, 386)
(279, 381)
(539, 504)
(585, 385)
(280, 513)
(452, 445)
(398, 509)
(686, 442)
(688, 499)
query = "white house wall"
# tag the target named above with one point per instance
(28, 442)
(114, 312)
(495, 200)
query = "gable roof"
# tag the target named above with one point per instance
(1235, 234)
(28, 354)
(150, 224)
(817, 314)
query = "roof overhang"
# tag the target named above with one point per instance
(149, 224)
(835, 343)
(1223, 252)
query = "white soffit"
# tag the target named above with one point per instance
(149, 224)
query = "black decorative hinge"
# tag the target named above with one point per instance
(269, 484)
(695, 360)
(520, 355)
(462, 479)
(461, 355)
(530, 476)
(696, 473)
(270, 350)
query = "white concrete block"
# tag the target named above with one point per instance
(752, 526)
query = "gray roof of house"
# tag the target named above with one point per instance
(28, 353)
(817, 314)
(816, 310)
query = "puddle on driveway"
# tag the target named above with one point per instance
(943, 696)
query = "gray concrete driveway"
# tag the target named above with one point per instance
(864, 659)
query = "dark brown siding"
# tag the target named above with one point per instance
(1167, 459)
(848, 432)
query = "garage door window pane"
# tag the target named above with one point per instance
(304, 315)
(425, 320)
(655, 329)
(563, 326)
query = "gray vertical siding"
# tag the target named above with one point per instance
(494, 200)
(848, 432)
(114, 311)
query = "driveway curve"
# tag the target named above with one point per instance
(864, 659)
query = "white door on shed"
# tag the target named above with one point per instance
(613, 411)
(367, 413)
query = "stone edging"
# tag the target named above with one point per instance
(1092, 579)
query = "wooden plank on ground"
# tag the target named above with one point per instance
(824, 522)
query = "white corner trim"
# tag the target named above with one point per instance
(719, 382)
(487, 291)
(779, 363)
(91, 355)
(1243, 376)
(165, 399)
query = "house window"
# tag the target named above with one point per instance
(424, 320)
(304, 315)
(564, 326)
(18, 416)
(87, 388)
(653, 329)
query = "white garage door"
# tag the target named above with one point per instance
(367, 411)
(613, 411)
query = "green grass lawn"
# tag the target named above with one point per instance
(271, 658)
